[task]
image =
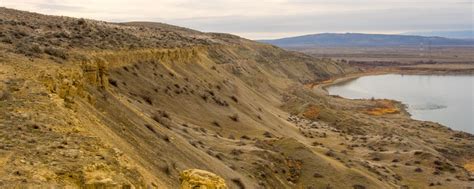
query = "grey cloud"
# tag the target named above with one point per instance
(55, 5)
(60, 7)
(275, 18)
(375, 20)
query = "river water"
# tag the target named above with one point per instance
(446, 99)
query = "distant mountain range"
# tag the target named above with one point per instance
(365, 40)
(464, 34)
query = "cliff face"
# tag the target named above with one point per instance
(88, 103)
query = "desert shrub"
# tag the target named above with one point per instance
(29, 50)
(163, 118)
(203, 130)
(234, 117)
(184, 130)
(166, 169)
(204, 97)
(418, 152)
(166, 138)
(209, 152)
(193, 143)
(56, 52)
(238, 182)
(219, 156)
(113, 82)
(36, 49)
(7, 40)
(164, 114)
(19, 34)
(330, 153)
(4, 95)
(149, 127)
(62, 35)
(245, 137)
(81, 21)
(235, 99)
(33, 126)
(236, 71)
(358, 186)
(236, 152)
(317, 175)
(148, 100)
(219, 101)
(267, 134)
(215, 123)
(211, 92)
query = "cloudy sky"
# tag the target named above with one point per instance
(264, 19)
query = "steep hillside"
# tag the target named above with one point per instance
(365, 40)
(85, 103)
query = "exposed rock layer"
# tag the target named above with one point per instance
(133, 105)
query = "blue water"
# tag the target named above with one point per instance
(446, 99)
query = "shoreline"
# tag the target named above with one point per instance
(321, 87)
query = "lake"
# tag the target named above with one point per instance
(446, 99)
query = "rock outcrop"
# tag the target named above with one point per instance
(196, 178)
(96, 72)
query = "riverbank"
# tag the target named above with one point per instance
(434, 69)
(321, 87)
(415, 93)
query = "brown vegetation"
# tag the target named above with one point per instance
(311, 112)
(383, 107)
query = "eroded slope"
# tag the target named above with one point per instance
(135, 104)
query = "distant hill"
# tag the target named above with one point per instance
(364, 40)
(464, 34)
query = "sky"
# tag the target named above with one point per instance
(269, 19)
